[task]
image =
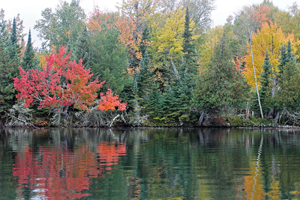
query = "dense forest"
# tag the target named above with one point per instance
(152, 63)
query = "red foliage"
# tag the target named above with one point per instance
(62, 82)
(109, 102)
(63, 174)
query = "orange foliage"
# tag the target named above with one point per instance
(130, 35)
(110, 102)
(99, 19)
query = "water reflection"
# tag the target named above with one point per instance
(149, 164)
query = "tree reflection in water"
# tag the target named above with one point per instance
(150, 164)
(61, 172)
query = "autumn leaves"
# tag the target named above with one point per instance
(62, 83)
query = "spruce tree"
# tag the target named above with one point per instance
(266, 89)
(290, 55)
(189, 58)
(288, 95)
(82, 48)
(28, 59)
(282, 62)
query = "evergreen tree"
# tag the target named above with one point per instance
(82, 48)
(189, 58)
(109, 61)
(221, 85)
(282, 62)
(7, 70)
(266, 89)
(290, 55)
(70, 45)
(288, 95)
(28, 59)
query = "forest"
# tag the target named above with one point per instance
(152, 63)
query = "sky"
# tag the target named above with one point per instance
(30, 10)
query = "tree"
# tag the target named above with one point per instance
(109, 59)
(265, 89)
(249, 20)
(19, 26)
(62, 83)
(135, 15)
(268, 37)
(189, 58)
(289, 78)
(28, 59)
(7, 70)
(82, 49)
(200, 12)
(170, 39)
(55, 28)
(221, 85)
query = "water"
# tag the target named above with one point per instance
(168, 164)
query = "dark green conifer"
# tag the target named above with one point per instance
(221, 85)
(189, 58)
(7, 70)
(282, 61)
(290, 55)
(266, 89)
(28, 59)
(82, 48)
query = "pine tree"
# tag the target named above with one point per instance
(28, 59)
(189, 58)
(82, 48)
(265, 89)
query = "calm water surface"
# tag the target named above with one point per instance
(168, 164)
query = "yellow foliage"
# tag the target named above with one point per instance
(270, 38)
(167, 32)
(207, 49)
(170, 37)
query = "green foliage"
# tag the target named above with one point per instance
(28, 59)
(9, 61)
(109, 59)
(282, 61)
(56, 27)
(289, 79)
(266, 88)
(221, 85)
(82, 48)
(189, 59)
(289, 94)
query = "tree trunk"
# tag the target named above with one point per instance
(113, 120)
(175, 70)
(258, 98)
(201, 118)
(248, 110)
(271, 113)
(277, 116)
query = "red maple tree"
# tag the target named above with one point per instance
(62, 83)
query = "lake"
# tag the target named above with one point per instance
(171, 164)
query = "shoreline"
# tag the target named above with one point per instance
(253, 127)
